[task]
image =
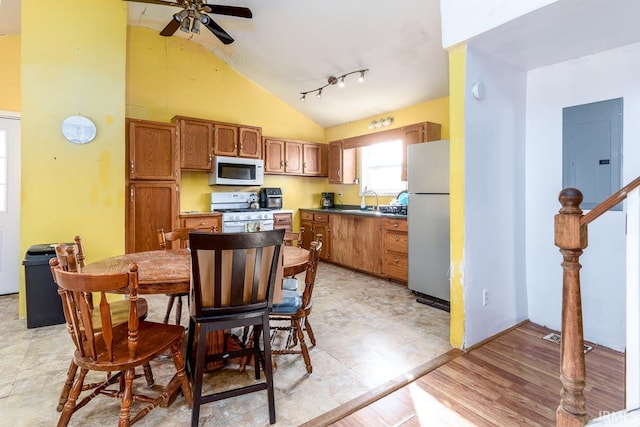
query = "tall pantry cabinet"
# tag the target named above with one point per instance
(153, 182)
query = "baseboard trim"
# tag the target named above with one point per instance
(381, 391)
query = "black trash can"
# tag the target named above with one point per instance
(44, 306)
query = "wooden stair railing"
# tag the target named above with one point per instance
(571, 237)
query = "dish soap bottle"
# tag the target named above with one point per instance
(363, 205)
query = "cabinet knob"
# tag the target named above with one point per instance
(397, 239)
(395, 261)
(395, 225)
(132, 166)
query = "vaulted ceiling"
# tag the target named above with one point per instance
(293, 46)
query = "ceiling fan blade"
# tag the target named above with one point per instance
(217, 30)
(161, 2)
(171, 28)
(242, 12)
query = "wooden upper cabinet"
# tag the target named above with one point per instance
(196, 144)
(342, 164)
(314, 159)
(413, 134)
(250, 142)
(294, 157)
(152, 150)
(237, 141)
(225, 142)
(273, 155)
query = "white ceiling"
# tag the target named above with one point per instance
(293, 46)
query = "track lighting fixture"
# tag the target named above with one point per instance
(333, 80)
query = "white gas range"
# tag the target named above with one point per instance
(237, 213)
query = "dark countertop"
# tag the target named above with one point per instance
(354, 210)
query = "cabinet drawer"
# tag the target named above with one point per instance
(304, 215)
(320, 217)
(396, 265)
(203, 222)
(396, 242)
(282, 220)
(395, 224)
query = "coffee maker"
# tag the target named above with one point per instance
(326, 200)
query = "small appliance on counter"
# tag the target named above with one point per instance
(327, 200)
(393, 209)
(271, 198)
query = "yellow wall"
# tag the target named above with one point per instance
(457, 67)
(10, 73)
(168, 76)
(69, 189)
(436, 111)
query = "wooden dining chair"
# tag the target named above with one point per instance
(71, 257)
(166, 240)
(234, 277)
(114, 348)
(291, 315)
(292, 236)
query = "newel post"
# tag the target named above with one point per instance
(571, 238)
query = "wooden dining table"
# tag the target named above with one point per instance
(168, 271)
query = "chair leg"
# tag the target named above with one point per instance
(148, 374)
(268, 369)
(303, 345)
(64, 395)
(127, 398)
(258, 359)
(179, 310)
(190, 361)
(197, 376)
(307, 327)
(70, 405)
(178, 362)
(169, 307)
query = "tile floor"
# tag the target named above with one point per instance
(368, 331)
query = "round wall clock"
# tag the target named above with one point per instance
(78, 129)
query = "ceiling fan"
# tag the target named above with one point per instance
(194, 12)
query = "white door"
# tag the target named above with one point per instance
(9, 202)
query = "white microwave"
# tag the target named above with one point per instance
(236, 171)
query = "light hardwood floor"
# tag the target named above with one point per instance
(512, 380)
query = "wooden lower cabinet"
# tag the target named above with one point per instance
(360, 243)
(203, 220)
(314, 224)
(283, 220)
(396, 255)
(151, 205)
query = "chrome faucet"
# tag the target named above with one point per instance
(375, 194)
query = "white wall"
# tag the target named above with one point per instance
(494, 198)
(607, 75)
(464, 19)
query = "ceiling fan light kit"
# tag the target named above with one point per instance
(331, 81)
(194, 13)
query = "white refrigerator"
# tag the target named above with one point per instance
(428, 221)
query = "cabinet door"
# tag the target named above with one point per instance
(293, 157)
(358, 244)
(342, 164)
(273, 156)
(152, 150)
(250, 143)
(151, 205)
(312, 159)
(324, 229)
(225, 140)
(307, 235)
(196, 145)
